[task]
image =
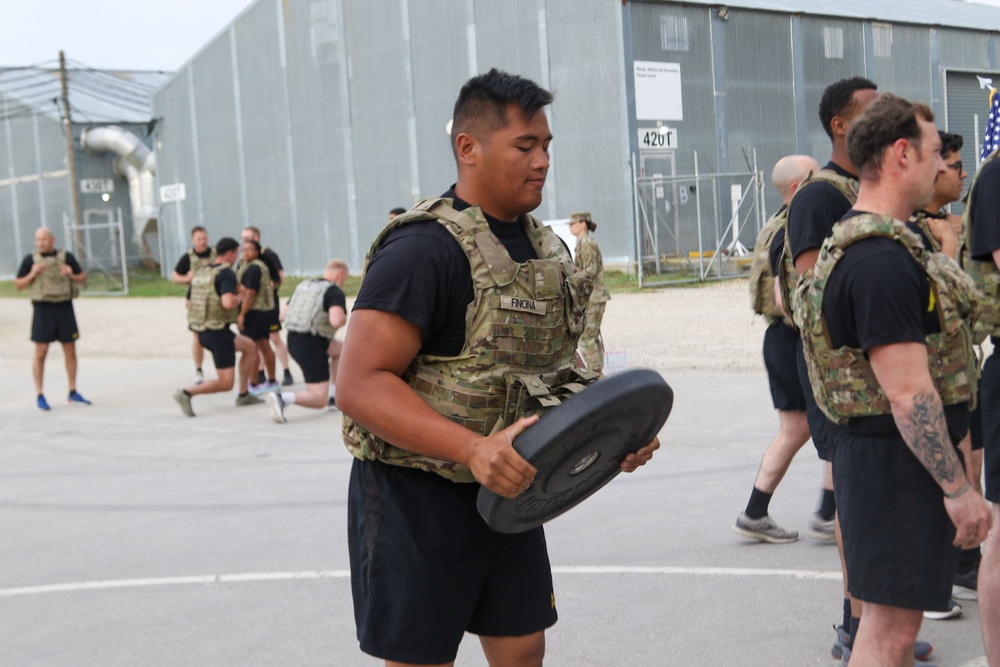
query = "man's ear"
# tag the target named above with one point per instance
(466, 148)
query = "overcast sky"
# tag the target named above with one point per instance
(119, 34)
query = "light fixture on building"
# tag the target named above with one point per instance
(106, 197)
(723, 13)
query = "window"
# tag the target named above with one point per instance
(882, 36)
(833, 42)
(673, 32)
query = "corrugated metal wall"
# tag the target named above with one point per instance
(312, 118)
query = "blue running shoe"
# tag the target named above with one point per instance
(76, 399)
(42, 403)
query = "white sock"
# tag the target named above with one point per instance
(333, 391)
(288, 397)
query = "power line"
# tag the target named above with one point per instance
(80, 78)
(108, 74)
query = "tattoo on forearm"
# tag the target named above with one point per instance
(926, 433)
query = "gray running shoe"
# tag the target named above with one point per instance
(821, 529)
(184, 400)
(954, 611)
(249, 399)
(966, 585)
(763, 529)
(277, 406)
(199, 377)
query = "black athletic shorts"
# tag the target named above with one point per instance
(222, 344)
(976, 418)
(257, 324)
(989, 411)
(310, 353)
(274, 315)
(53, 322)
(425, 568)
(782, 369)
(820, 427)
(897, 535)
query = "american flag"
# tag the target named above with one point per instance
(991, 140)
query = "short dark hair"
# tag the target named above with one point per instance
(399, 210)
(886, 121)
(255, 244)
(225, 245)
(838, 98)
(195, 230)
(482, 103)
(950, 143)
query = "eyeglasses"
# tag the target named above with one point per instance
(957, 166)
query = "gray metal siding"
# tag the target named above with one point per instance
(507, 37)
(907, 72)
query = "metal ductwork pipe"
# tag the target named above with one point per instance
(138, 165)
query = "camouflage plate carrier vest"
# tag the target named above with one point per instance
(920, 220)
(787, 277)
(206, 312)
(842, 379)
(761, 279)
(264, 301)
(305, 310)
(49, 285)
(984, 274)
(201, 262)
(521, 331)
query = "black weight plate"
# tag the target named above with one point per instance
(578, 447)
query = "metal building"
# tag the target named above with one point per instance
(34, 171)
(312, 118)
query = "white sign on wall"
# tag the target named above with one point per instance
(658, 91)
(657, 137)
(173, 192)
(96, 185)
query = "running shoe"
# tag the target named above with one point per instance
(199, 377)
(247, 399)
(331, 403)
(921, 649)
(184, 400)
(763, 529)
(42, 403)
(821, 529)
(76, 399)
(287, 381)
(954, 611)
(277, 406)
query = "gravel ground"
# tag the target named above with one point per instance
(706, 328)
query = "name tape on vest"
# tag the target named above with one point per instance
(527, 305)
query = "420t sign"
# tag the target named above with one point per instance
(652, 138)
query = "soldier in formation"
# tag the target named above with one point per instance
(53, 278)
(257, 302)
(198, 256)
(889, 357)
(588, 260)
(315, 311)
(423, 391)
(215, 303)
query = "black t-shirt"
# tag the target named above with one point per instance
(251, 278)
(273, 264)
(422, 274)
(813, 212)
(225, 282)
(877, 295)
(334, 296)
(29, 261)
(985, 202)
(184, 263)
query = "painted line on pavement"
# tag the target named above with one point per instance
(343, 574)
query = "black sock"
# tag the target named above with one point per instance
(827, 505)
(198, 369)
(855, 622)
(759, 500)
(968, 559)
(186, 392)
(847, 614)
(244, 394)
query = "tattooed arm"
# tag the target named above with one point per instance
(902, 372)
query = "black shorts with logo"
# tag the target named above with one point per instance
(274, 315)
(53, 322)
(222, 344)
(426, 569)
(257, 324)
(310, 353)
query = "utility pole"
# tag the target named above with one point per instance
(74, 193)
